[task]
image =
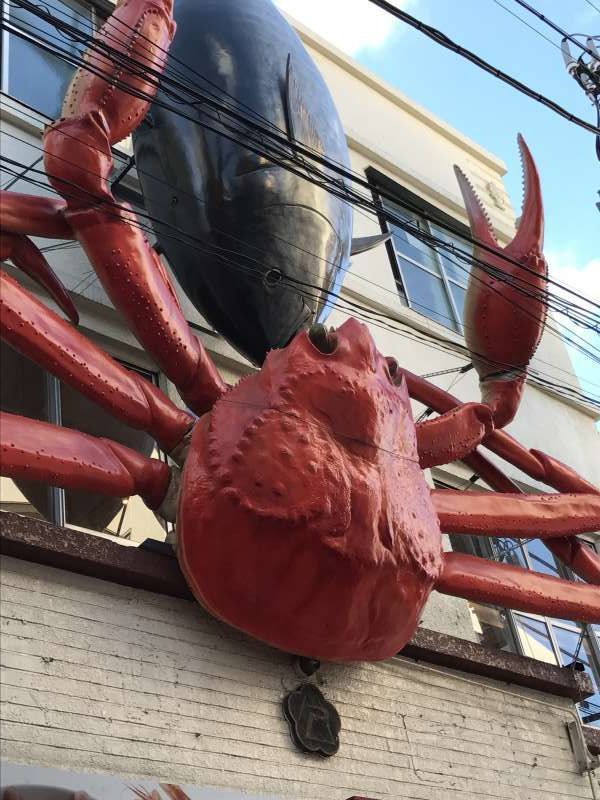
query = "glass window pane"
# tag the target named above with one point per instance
(27, 61)
(509, 551)
(129, 518)
(405, 244)
(459, 294)
(408, 245)
(23, 392)
(535, 638)
(455, 268)
(542, 559)
(571, 645)
(427, 294)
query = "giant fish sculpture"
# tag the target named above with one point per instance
(256, 221)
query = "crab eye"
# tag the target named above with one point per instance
(324, 340)
(392, 366)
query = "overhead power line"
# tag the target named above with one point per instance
(133, 65)
(293, 158)
(463, 267)
(430, 240)
(555, 27)
(294, 164)
(314, 292)
(441, 38)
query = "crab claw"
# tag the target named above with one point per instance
(505, 306)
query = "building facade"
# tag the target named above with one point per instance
(106, 677)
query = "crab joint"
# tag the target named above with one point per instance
(168, 508)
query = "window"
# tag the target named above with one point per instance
(555, 641)
(30, 391)
(24, 58)
(428, 280)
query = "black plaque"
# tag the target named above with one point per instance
(314, 722)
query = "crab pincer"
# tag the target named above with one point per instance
(505, 307)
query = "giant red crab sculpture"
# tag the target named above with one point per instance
(303, 516)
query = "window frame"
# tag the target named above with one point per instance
(484, 548)
(100, 10)
(429, 214)
(52, 387)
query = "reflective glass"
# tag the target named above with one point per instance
(128, 518)
(456, 268)
(27, 61)
(427, 294)
(405, 244)
(535, 638)
(509, 551)
(23, 392)
(458, 295)
(542, 559)
(572, 645)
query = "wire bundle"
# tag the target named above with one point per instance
(222, 114)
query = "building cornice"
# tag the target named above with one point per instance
(312, 39)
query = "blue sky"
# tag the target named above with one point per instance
(492, 113)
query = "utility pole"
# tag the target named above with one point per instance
(586, 71)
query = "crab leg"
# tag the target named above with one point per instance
(534, 516)
(26, 256)
(39, 451)
(96, 114)
(571, 551)
(453, 435)
(40, 334)
(538, 465)
(34, 215)
(496, 303)
(483, 581)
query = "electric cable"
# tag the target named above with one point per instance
(528, 25)
(554, 26)
(441, 38)
(420, 234)
(368, 315)
(459, 266)
(95, 44)
(262, 265)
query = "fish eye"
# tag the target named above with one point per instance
(392, 366)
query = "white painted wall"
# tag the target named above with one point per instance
(102, 678)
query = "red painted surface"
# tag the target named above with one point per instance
(304, 517)
(38, 451)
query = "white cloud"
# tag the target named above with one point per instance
(585, 280)
(350, 25)
(582, 278)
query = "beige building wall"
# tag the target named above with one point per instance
(102, 678)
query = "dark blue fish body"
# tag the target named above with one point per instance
(255, 233)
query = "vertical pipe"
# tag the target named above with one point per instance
(56, 495)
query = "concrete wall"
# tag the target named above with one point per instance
(102, 678)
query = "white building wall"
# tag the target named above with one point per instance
(102, 678)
